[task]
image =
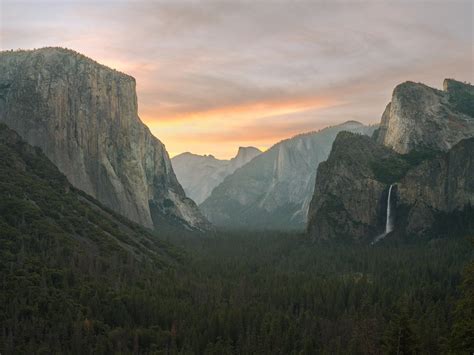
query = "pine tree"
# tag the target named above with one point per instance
(462, 335)
(400, 337)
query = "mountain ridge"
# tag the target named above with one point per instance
(431, 173)
(274, 189)
(421, 116)
(84, 117)
(200, 174)
(38, 200)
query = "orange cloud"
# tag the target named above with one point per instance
(244, 111)
(221, 130)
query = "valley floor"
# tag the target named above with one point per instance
(266, 293)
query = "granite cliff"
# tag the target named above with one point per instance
(348, 196)
(422, 148)
(200, 174)
(83, 116)
(442, 184)
(38, 206)
(421, 116)
(273, 190)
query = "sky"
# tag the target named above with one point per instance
(216, 75)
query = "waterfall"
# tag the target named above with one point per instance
(388, 222)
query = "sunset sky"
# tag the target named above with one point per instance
(212, 76)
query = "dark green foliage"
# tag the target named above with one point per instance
(400, 337)
(245, 294)
(393, 168)
(76, 278)
(390, 170)
(419, 155)
(454, 223)
(462, 336)
(63, 256)
(461, 97)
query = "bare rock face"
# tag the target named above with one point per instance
(443, 184)
(423, 148)
(83, 116)
(200, 174)
(348, 197)
(420, 116)
(274, 190)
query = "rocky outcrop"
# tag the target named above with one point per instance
(244, 155)
(200, 174)
(349, 197)
(39, 205)
(83, 116)
(442, 184)
(273, 191)
(420, 116)
(422, 147)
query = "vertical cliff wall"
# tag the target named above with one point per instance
(421, 116)
(273, 191)
(349, 197)
(83, 115)
(422, 146)
(444, 183)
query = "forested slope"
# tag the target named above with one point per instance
(76, 278)
(65, 260)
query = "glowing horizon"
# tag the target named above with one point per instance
(244, 114)
(215, 76)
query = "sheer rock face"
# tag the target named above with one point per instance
(200, 174)
(420, 116)
(84, 117)
(49, 203)
(273, 191)
(348, 198)
(444, 184)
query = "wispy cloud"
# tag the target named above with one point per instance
(212, 75)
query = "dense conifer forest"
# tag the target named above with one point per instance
(77, 278)
(243, 294)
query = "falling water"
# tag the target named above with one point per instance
(388, 223)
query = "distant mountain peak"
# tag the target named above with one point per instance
(248, 148)
(189, 154)
(247, 152)
(351, 123)
(274, 189)
(200, 174)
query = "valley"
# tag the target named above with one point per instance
(244, 292)
(353, 238)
